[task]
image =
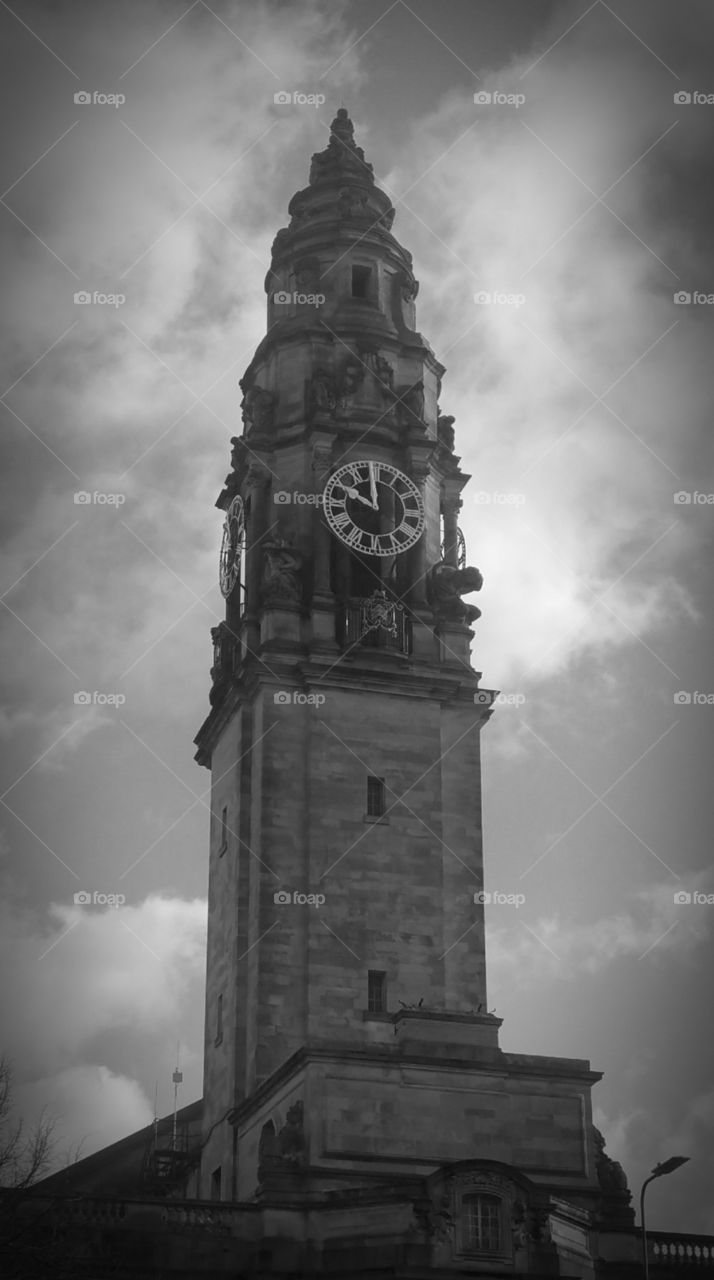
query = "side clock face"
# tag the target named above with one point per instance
(374, 508)
(232, 546)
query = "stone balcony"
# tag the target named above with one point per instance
(202, 1239)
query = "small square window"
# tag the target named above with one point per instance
(360, 281)
(376, 991)
(219, 1019)
(224, 830)
(376, 804)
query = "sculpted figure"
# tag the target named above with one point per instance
(446, 587)
(385, 375)
(323, 396)
(350, 381)
(282, 572)
(445, 430)
(291, 1138)
(258, 409)
(610, 1173)
(413, 400)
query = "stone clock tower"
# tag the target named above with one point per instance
(351, 1064)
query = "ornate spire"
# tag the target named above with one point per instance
(342, 159)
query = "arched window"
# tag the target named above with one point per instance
(481, 1223)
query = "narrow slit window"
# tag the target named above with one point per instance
(360, 282)
(216, 1184)
(376, 991)
(224, 830)
(375, 797)
(219, 1019)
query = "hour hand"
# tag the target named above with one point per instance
(356, 496)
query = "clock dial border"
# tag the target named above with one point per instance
(366, 471)
(231, 547)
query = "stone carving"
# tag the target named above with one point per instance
(307, 276)
(258, 474)
(352, 203)
(342, 156)
(298, 210)
(278, 1152)
(408, 286)
(378, 610)
(238, 451)
(268, 1145)
(610, 1173)
(519, 1225)
(350, 381)
(282, 573)
(322, 393)
(385, 376)
(445, 431)
(412, 399)
(258, 407)
(280, 242)
(386, 219)
(291, 1138)
(321, 458)
(539, 1231)
(435, 1219)
(446, 587)
(484, 1180)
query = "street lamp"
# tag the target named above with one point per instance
(667, 1166)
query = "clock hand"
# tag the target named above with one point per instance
(357, 497)
(373, 488)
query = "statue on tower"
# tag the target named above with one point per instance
(445, 431)
(258, 407)
(282, 573)
(446, 586)
(322, 393)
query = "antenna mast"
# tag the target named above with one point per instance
(177, 1079)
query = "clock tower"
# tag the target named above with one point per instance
(349, 1049)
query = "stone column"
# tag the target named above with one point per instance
(258, 483)
(452, 506)
(423, 640)
(322, 609)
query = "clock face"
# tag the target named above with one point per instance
(232, 546)
(374, 508)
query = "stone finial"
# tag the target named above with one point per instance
(341, 157)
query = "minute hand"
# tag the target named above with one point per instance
(373, 487)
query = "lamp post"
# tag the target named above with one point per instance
(667, 1166)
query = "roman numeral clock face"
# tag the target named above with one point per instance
(374, 508)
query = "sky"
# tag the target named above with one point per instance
(581, 204)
